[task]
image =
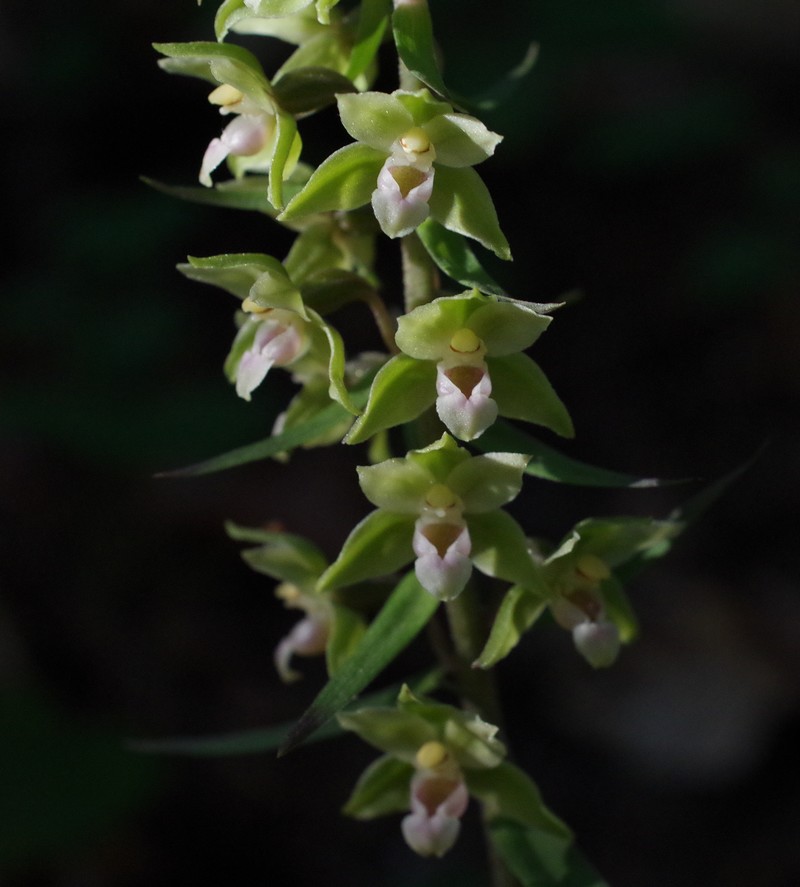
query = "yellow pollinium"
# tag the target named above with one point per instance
(415, 141)
(225, 96)
(593, 568)
(440, 496)
(431, 755)
(464, 341)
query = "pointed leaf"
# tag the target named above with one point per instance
(372, 21)
(549, 464)
(454, 257)
(461, 202)
(249, 193)
(413, 36)
(344, 181)
(400, 620)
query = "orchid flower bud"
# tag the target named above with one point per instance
(244, 136)
(308, 637)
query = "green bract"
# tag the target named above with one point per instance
(463, 354)
(262, 135)
(411, 159)
(443, 506)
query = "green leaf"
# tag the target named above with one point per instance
(452, 255)
(264, 739)
(303, 90)
(461, 202)
(372, 21)
(400, 620)
(541, 859)
(281, 556)
(236, 273)
(549, 464)
(343, 181)
(403, 388)
(508, 792)
(346, 630)
(413, 37)
(518, 611)
(248, 193)
(377, 546)
(499, 92)
(522, 391)
(381, 789)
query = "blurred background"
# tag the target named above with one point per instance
(653, 164)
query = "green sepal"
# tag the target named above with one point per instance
(522, 391)
(248, 193)
(396, 485)
(220, 63)
(485, 483)
(537, 858)
(343, 181)
(304, 90)
(619, 609)
(402, 389)
(279, 8)
(413, 37)
(508, 792)
(313, 251)
(336, 364)
(402, 617)
(381, 789)
(453, 256)
(441, 457)
(281, 556)
(500, 550)
(401, 731)
(461, 202)
(373, 19)
(308, 403)
(518, 611)
(346, 630)
(236, 273)
(377, 546)
(286, 151)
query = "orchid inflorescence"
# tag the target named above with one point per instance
(454, 368)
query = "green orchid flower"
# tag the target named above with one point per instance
(441, 508)
(412, 158)
(463, 353)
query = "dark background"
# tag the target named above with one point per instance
(653, 163)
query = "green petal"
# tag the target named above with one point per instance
(506, 328)
(461, 202)
(402, 389)
(425, 332)
(397, 485)
(376, 119)
(336, 364)
(485, 483)
(461, 140)
(394, 731)
(617, 540)
(377, 546)
(381, 789)
(344, 181)
(619, 609)
(522, 392)
(441, 458)
(499, 549)
(279, 8)
(285, 153)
